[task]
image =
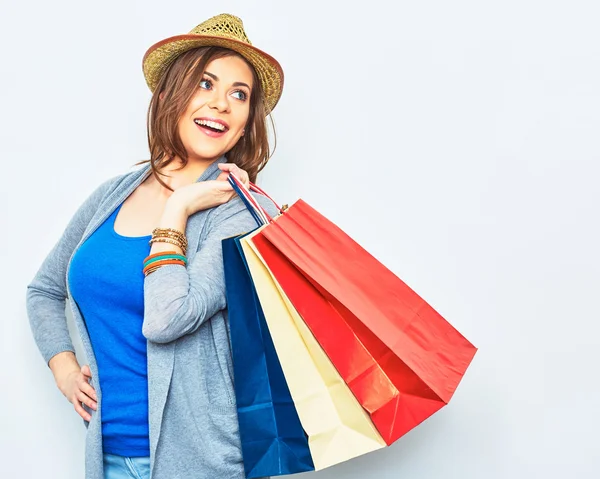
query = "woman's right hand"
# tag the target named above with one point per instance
(203, 195)
(77, 390)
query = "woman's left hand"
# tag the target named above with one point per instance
(227, 168)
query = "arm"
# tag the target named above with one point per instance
(47, 292)
(179, 299)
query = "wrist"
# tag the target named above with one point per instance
(63, 365)
(176, 208)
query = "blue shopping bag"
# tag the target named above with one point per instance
(273, 440)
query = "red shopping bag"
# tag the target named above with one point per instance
(402, 360)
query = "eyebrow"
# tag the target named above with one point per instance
(237, 83)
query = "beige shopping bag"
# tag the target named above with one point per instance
(338, 428)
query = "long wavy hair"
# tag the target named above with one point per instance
(178, 85)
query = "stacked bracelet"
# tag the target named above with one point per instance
(169, 235)
(156, 260)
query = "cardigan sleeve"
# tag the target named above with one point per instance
(179, 299)
(47, 291)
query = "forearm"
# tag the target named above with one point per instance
(179, 299)
(47, 320)
(166, 292)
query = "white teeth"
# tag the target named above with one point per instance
(212, 124)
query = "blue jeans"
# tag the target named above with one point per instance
(121, 467)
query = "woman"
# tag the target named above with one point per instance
(141, 266)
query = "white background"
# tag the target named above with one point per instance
(456, 141)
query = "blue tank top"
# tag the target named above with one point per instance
(107, 283)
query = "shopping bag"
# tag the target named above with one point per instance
(402, 360)
(338, 427)
(272, 438)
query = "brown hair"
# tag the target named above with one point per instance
(179, 84)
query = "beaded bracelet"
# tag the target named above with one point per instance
(172, 236)
(170, 233)
(160, 239)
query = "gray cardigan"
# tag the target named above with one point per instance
(192, 414)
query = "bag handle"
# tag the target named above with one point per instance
(258, 212)
(256, 189)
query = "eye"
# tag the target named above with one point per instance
(205, 81)
(242, 95)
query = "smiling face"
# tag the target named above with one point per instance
(217, 114)
(199, 108)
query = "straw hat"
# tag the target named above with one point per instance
(224, 31)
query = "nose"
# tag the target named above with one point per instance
(219, 101)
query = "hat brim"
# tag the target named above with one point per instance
(160, 55)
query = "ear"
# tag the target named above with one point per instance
(161, 95)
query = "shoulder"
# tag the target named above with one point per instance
(109, 185)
